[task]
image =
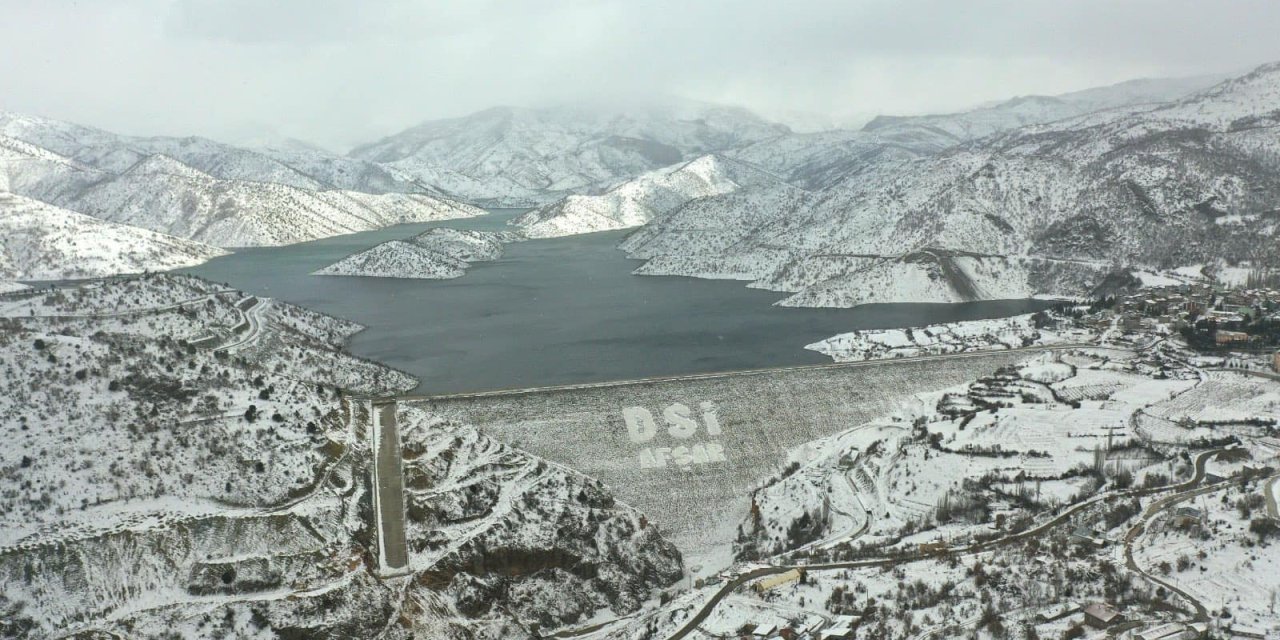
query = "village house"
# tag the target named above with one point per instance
(1186, 516)
(1100, 615)
(1230, 337)
(1169, 631)
(841, 628)
(772, 582)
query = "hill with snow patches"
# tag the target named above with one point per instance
(590, 168)
(437, 254)
(1061, 208)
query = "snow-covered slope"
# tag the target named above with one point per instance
(29, 169)
(1046, 209)
(816, 160)
(203, 190)
(637, 201)
(164, 195)
(437, 254)
(42, 242)
(1028, 110)
(516, 156)
(297, 165)
(155, 487)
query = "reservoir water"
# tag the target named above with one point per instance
(558, 311)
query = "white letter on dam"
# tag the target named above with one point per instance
(680, 420)
(640, 425)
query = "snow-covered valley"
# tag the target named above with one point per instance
(514, 436)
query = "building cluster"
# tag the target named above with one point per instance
(1211, 317)
(1192, 303)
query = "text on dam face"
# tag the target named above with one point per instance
(681, 424)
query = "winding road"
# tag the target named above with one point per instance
(256, 319)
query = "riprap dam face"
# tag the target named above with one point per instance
(688, 451)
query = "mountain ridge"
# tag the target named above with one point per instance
(1049, 208)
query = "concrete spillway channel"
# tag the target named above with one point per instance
(388, 489)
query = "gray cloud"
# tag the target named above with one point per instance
(343, 71)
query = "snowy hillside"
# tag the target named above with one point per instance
(1047, 209)
(42, 242)
(1027, 110)
(437, 254)
(934, 339)
(165, 195)
(187, 462)
(820, 159)
(513, 157)
(161, 194)
(207, 191)
(296, 165)
(636, 202)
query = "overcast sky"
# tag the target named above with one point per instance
(339, 72)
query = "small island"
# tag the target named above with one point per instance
(437, 254)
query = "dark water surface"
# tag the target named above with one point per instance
(558, 311)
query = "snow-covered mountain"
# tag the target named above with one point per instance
(516, 157)
(297, 164)
(820, 159)
(1028, 110)
(39, 241)
(437, 254)
(1054, 208)
(163, 194)
(638, 201)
